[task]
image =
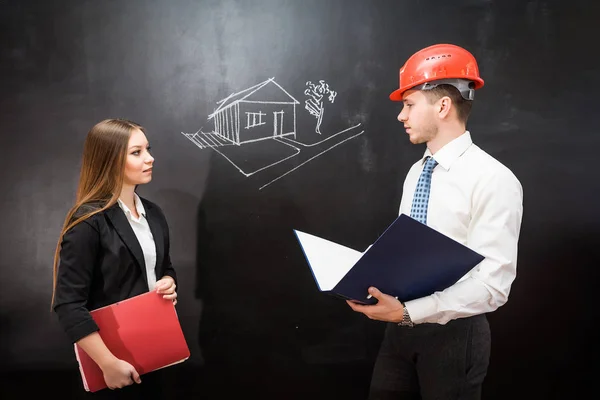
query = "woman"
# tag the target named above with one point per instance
(113, 245)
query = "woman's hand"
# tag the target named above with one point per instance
(118, 374)
(166, 287)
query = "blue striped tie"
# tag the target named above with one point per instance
(418, 210)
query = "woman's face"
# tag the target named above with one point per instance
(138, 165)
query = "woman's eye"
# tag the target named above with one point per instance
(136, 153)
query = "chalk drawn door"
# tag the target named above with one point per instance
(278, 123)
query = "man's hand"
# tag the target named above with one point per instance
(388, 308)
(166, 287)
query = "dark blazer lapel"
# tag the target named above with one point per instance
(123, 228)
(157, 233)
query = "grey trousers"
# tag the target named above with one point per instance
(433, 361)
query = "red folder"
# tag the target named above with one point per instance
(143, 330)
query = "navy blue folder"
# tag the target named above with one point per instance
(409, 260)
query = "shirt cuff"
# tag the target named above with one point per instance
(420, 309)
(172, 274)
(82, 330)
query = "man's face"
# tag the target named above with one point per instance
(418, 117)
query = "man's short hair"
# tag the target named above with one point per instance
(463, 106)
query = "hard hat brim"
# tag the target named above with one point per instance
(397, 94)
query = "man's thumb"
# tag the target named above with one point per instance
(373, 291)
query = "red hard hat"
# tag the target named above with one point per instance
(437, 62)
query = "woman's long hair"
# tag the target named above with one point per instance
(101, 176)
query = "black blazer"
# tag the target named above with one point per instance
(101, 262)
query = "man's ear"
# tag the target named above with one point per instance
(444, 105)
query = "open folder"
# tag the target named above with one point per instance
(143, 330)
(409, 260)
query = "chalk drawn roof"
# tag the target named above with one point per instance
(249, 95)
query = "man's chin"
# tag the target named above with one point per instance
(415, 140)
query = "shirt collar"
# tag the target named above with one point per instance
(451, 151)
(138, 206)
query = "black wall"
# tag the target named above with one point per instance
(253, 317)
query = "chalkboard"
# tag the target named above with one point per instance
(267, 116)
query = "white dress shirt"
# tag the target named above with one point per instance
(144, 236)
(477, 201)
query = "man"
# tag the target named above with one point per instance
(438, 346)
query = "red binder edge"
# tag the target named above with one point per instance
(85, 385)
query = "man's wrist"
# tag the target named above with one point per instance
(406, 320)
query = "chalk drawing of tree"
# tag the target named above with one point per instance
(315, 104)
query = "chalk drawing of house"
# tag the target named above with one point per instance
(263, 111)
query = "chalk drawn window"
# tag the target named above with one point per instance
(254, 119)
